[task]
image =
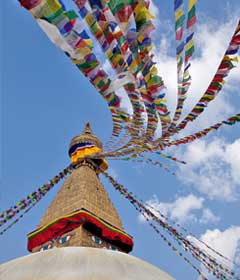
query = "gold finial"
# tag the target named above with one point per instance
(87, 129)
(86, 144)
(86, 136)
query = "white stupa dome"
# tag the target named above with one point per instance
(80, 263)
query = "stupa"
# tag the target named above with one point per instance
(80, 236)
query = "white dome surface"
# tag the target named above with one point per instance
(80, 263)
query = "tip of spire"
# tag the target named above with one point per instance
(87, 129)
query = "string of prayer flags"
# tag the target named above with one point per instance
(122, 9)
(126, 53)
(189, 233)
(217, 269)
(230, 121)
(17, 219)
(144, 159)
(226, 65)
(162, 145)
(191, 21)
(33, 197)
(112, 145)
(66, 31)
(129, 51)
(117, 55)
(105, 18)
(184, 78)
(170, 157)
(169, 244)
(153, 82)
(179, 27)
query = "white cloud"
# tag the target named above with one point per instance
(225, 242)
(155, 12)
(154, 9)
(183, 209)
(233, 159)
(208, 217)
(213, 168)
(126, 105)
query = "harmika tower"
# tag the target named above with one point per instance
(82, 213)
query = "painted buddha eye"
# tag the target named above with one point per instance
(96, 240)
(113, 248)
(64, 239)
(46, 247)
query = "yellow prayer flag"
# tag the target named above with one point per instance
(89, 19)
(189, 45)
(235, 59)
(178, 14)
(159, 101)
(191, 3)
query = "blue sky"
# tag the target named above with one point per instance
(45, 101)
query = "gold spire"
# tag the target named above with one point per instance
(87, 129)
(85, 137)
(87, 144)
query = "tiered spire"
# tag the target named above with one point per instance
(82, 213)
